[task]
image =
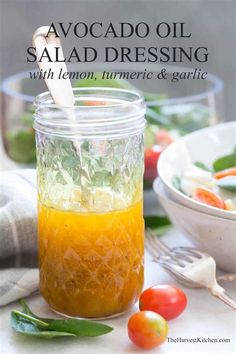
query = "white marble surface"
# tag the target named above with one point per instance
(205, 317)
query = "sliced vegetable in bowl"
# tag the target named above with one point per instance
(208, 197)
(225, 173)
(205, 185)
(228, 183)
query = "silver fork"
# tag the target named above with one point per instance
(189, 266)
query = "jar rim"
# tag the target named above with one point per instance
(139, 98)
(122, 113)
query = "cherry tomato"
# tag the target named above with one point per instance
(206, 196)
(166, 300)
(163, 137)
(147, 329)
(94, 103)
(151, 157)
(225, 173)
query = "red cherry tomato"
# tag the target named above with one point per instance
(94, 103)
(151, 157)
(147, 329)
(225, 173)
(163, 137)
(166, 300)
(206, 196)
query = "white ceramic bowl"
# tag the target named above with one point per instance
(214, 235)
(204, 145)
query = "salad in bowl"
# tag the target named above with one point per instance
(199, 170)
(213, 185)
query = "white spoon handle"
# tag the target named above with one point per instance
(60, 89)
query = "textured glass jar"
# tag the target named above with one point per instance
(90, 217)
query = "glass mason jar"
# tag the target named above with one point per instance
(90, 213)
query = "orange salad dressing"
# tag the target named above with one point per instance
(91, 264)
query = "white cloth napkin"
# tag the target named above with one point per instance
(18, 235)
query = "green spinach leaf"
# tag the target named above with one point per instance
(159, 224)
(28, 323)
(29, 318)
(202, 166)
(21, 325)
(177, 183)
(79, 327)
(224, 162)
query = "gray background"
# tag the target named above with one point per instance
(211, 22)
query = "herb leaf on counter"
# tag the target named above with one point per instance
(159, 224)
(27, 323)
(28, 318)
(79, 327)
(26, 308)
(21, 325)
